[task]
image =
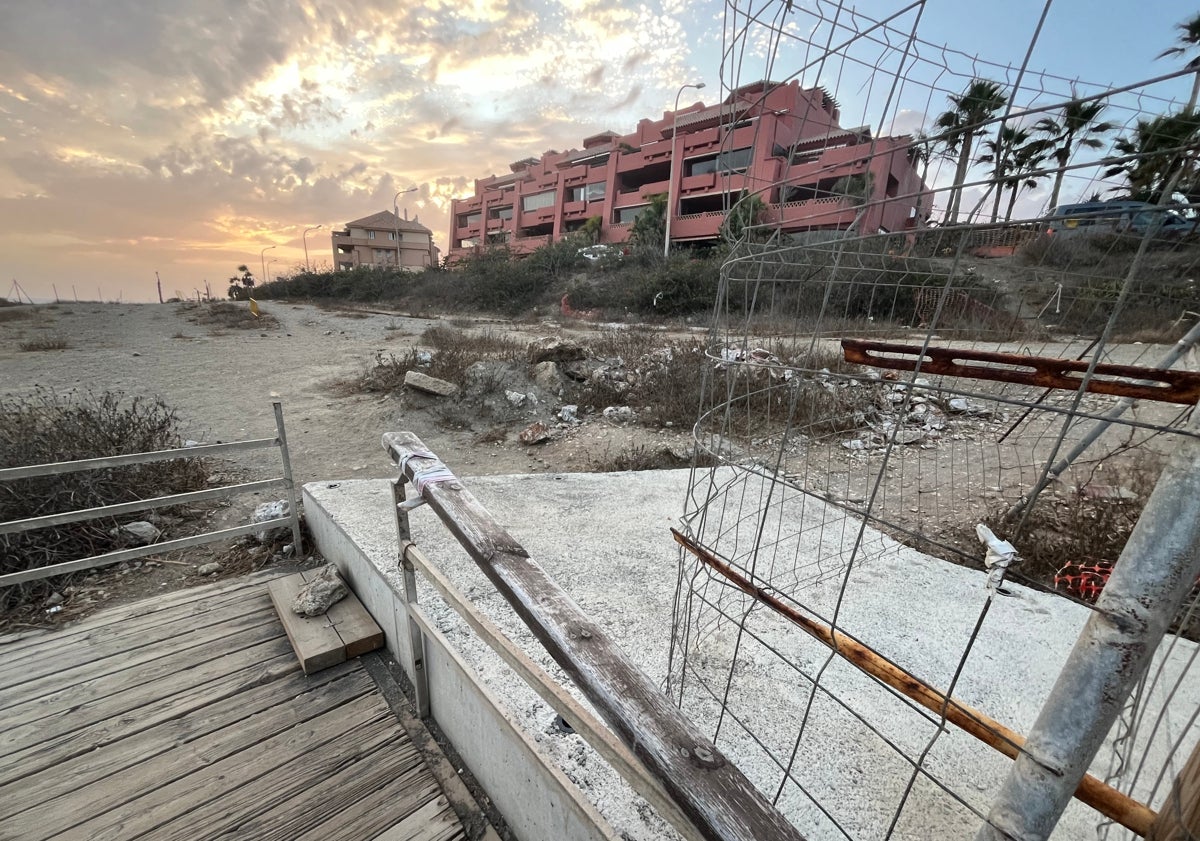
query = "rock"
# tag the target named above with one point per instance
(537, 433)
(208, 569)
(545, 375)
(270, 511)
(428, 384)
(909, 436)
(325, 590)
(958, 405)
(619, 414)
(139, 533)
(423, 357)
(516, 398)
(569, 413)
(288, 550)
(581, 370)
(855, 444)
(554, 349)
(55, 598)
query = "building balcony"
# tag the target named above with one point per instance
(829, 212)
(537, 217)
(659, 151)
(574, 209)
(630, 161)
(695, 183)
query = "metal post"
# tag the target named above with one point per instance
(1153, 576)
(304, 239)
(290, 484)
(262, 258)
(416, 638)
(674, 155)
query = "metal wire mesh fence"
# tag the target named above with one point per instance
(875, 397)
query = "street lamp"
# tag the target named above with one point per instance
(396, 213)
(304, 238)
(671, 183)
(273, 260)
(262, 258)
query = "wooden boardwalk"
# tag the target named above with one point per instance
(187, 717)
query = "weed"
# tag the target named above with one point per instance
(50, 427)
(221, 314)
(46, 343)
(451, 352)
(15, 313)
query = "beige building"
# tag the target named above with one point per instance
(384, 239)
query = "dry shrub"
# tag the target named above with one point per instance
(14, 312)
(228, 314)
(45, 343)
(48, 427)
(450, 353)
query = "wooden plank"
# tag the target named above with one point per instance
(393, 802)
(710, 790)
(159, 804)
(143, 609)
(435, 821)
(169, 676)
(183, 779)
(1179, 817)
(54, 751)
(313, 638)
(354, 786)
(216, 705)
(148, 662)
(359, 632)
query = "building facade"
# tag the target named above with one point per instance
(384, 239)
(780, 142)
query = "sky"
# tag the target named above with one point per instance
(183, 137)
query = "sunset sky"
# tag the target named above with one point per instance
(184, 136)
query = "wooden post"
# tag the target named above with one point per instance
(1179, 817)
(288, 481)
(416, 637)
(709, 789)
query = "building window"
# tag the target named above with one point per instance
(500, 212)
(625, 215)
(465, 220)
(735, 161)
(370, 235)
(392, 236)
(595, 192)
(602, 160)
(537, 200)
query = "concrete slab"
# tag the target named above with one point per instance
(605, 539)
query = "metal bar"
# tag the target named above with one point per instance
(15, 526)
(198, 451)
(710, 790)
(1154, 574)
(581, 719)
(416, 637)
(1173, 355)
(137, 552)
(1046, 372)
(1101, 797)
(289, 483)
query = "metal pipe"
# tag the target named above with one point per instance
(1153, 576)
(304, 239)
(674, 155)
(262, 258)
(396, 213)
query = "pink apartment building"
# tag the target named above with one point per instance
(384, 239)
(781, 142)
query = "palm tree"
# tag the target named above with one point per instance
(1189, 39)
(1006, 154)
(1072, 128)
(965, 121)
(1163, 153)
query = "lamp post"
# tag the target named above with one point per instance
(671, 183)
(262, 258)
(396, 213)
(304, 238)
(273, 260)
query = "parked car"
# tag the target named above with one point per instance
(1117, 217)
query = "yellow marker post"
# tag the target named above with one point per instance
(254, 308)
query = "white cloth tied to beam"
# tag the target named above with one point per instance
(999, 557)
(425, 475)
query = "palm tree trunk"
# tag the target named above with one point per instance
(1012, 200)
(960, 175)
(1058, 180)
(1191, 106)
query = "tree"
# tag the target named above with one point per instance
(590, 230)
(1016, 157)
(650, 226)
(921, 152)
(1162, 157)
(1189, 39)
(857, 190)
(964, 122)
(1072, 128)
(241, 284)
(749, 210)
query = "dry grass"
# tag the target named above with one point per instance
(15, 313)
(45, 343)
(227, 314)
(443, 352)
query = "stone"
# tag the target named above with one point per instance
(271, 511)
(619, 414)
(208, 569)
(516, 398)
(325, 590)
(569, 413)
(554, 349)
(429, 385)
(958, 405)
(536, 433)
(139, 533)
(910, 436)
(545, 375)
(55, 598)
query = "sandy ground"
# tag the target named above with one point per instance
(223, 381)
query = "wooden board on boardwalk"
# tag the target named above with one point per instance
(345, 631)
